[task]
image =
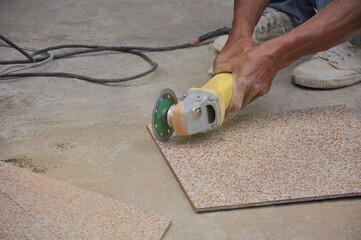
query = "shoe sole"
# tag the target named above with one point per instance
(326, 84)
(219, 43)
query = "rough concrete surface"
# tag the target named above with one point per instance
(93, 136)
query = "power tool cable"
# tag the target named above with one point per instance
(17, 48)
(136, 50)
(20, 67)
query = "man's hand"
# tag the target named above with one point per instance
(253, 71)
(245, 18)
(234, 55)
(232, 48)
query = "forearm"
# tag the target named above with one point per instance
(246, 16)
(338, 22)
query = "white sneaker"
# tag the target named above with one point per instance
(337, 67)
(272, 23)
(219, 43)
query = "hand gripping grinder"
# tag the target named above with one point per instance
(199, 110)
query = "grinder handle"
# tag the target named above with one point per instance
(220, 85)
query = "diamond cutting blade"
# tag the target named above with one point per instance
(161, 129)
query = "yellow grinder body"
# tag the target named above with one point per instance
(202, 108)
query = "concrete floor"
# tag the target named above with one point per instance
(94, 136)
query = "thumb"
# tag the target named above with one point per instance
(224, 66)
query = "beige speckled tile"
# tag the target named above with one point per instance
(38, 207)
(258, 160)
(14, 217)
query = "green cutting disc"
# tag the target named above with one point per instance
(161, 129)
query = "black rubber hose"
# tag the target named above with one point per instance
(96, 48)
(216, 33)
(85, 78)
(204, 37)
(17, 48)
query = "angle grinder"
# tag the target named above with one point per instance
(199, 110)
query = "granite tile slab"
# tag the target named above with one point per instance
(14, 217)
(255, 160)
(68, 212)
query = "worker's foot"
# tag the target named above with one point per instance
(219, 43)
(337, 67)
(272, 23)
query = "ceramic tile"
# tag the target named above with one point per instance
(255, 160)
(52, 207)
(14, 217)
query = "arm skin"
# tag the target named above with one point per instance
(246, 16)
(255, 68)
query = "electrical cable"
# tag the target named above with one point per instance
(17, 48)
(26, 66)
(23, 66)
(136, 50)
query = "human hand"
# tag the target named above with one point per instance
(232, 48)
(253, 73)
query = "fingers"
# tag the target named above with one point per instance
(236, 47)
(253, 74)
(263, 91)
(217, 64)
(245, 92)
(236, 103)
(224, 66)
(248, 98)
(230, 50)
(255, 91)
(239, 91)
